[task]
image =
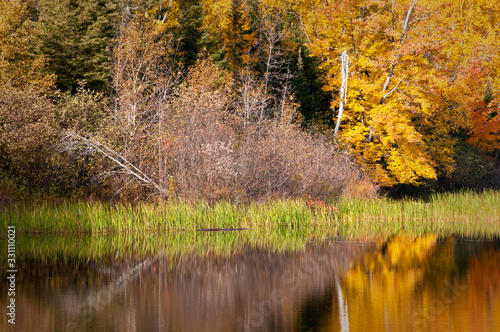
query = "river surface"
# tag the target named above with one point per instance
(228, 283)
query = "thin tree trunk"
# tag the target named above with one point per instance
(344, 69)
(343, 312)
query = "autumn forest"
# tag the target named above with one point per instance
(248, 99)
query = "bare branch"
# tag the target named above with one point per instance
(389, 77)
(407, 20)
(73, 140)
(166, 13)
(302, 25)
(382, 100)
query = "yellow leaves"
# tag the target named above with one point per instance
(398, 163)
(408, 160)
(165, 15)
(229, 22)
(18, 68)
(408, 167)
(473, 54)
(385, 282)
(406, 251)
(388, 143)
(356, 135)
(474, 67)
(216, 14)
(396, 91)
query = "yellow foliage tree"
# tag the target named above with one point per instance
(398, 120)
(18, 67)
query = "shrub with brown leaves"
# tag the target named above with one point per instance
(217, 154)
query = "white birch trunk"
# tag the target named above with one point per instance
(344, 70)
(343, 313)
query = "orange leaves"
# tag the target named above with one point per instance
(473, 68)
(486, 128)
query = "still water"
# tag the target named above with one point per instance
(228, 282)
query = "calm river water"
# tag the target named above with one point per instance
(228, 283)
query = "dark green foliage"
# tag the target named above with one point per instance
(307, 87)
(75, 36)
(238, 37)
(190, 31)
(474, 169)
(284, 66)
(235, 43)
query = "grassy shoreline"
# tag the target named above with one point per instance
(464, 213)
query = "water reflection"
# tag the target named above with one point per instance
(404, 283)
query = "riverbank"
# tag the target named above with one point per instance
(465, 213)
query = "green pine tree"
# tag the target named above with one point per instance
(190, 31)
(307, 87)
(75, 36)
(239, 37)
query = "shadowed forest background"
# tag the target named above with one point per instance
(238, 99)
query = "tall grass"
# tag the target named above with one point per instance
(466, 213)
(56, 247)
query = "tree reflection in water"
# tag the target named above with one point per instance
(404, 283)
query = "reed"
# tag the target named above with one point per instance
(466, 213)
(56, 247)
